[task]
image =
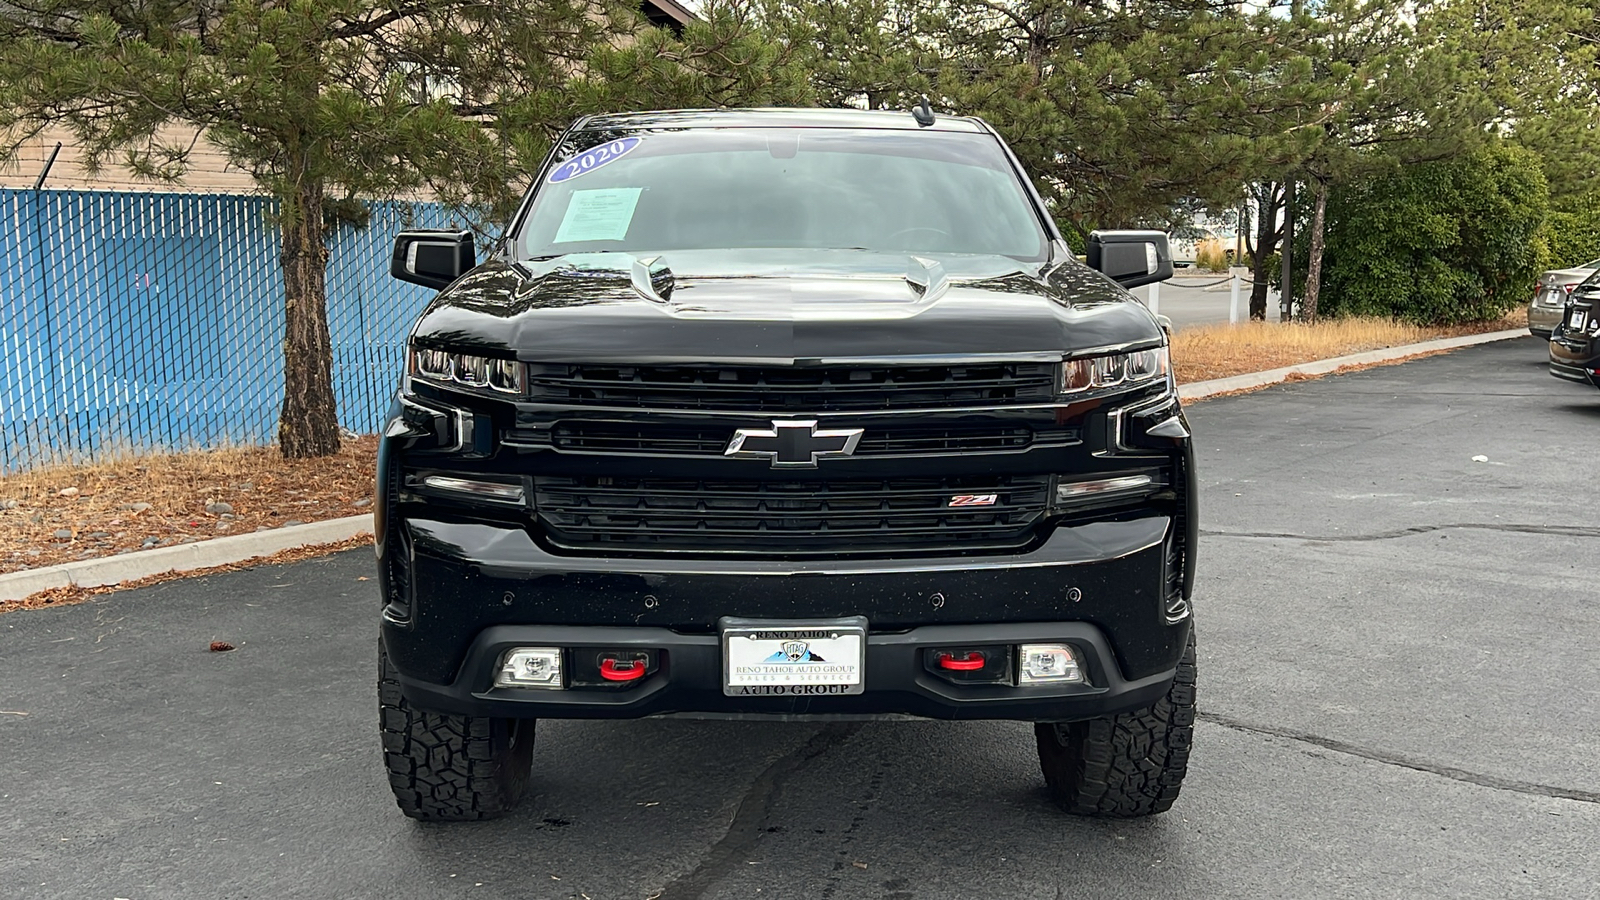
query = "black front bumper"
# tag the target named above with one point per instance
(477, 589)
(1575, 358)
(688, 678)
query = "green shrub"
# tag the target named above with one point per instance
(1572, 238)
(1274, 269)
(1437, 243)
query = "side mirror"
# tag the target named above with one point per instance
(432, 258)
(1130, 258)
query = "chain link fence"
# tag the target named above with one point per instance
(140, 321)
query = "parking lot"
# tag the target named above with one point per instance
(1202, 298)
(1398, 668)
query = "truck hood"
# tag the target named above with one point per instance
(783, 307)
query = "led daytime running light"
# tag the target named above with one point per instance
(488, 490)
(1068, 491)
(1074, 496)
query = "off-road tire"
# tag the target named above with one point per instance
(450, 768)
(1123, 766)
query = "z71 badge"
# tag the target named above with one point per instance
(974, 499)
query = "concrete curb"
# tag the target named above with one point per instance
(240, 547)
(1200, 390)
(180, 558)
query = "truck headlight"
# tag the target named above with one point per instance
(1131, 369)
(468, 370)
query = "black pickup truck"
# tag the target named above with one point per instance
(785, 414)
(1575, 342)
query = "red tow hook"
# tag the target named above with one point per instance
(624, 670)
(969, 662)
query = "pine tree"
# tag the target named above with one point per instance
(1122, 111)
(329, 101)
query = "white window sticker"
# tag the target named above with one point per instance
(598, 215)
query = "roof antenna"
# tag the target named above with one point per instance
(923, 113)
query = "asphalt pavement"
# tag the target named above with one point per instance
(1398, 699)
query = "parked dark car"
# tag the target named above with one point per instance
(785, 414)
(1575, 343)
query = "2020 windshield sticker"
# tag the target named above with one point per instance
(592, 159)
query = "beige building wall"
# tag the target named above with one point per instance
(209, 172)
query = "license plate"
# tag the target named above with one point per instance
(788, 658)
(1575, 319)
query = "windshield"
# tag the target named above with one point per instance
(920, 192)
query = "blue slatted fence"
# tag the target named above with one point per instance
(139, 321)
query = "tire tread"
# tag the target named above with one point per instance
(1128, 765)
(448, 768)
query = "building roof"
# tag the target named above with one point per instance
(666, 13)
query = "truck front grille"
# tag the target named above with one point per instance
(790, 517)
(653, 439)
(794, 388)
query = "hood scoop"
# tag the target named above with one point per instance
(652, 279)
(928, 277)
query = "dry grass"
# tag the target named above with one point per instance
(1219, 351)
(64, 513)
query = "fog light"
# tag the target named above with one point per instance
(530, 667)
(1048, 664)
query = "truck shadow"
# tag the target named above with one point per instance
(883, 809)
(1592, 409)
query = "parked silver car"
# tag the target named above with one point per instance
(1550, 297)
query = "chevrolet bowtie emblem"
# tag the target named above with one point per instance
(793, 443)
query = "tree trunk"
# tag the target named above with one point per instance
(1266, 242)
(1039, 43)
(1286, 280)
(1308, 305)
(308, 424)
